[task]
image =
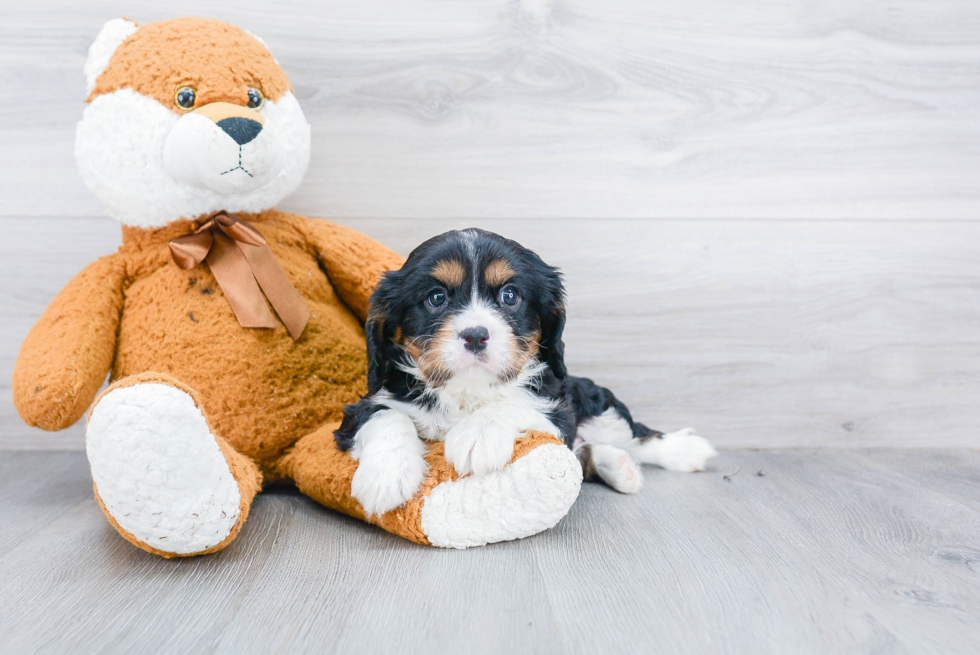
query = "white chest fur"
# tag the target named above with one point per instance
(467, 395)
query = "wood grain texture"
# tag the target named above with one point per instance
(565, 108)
(758, 333)
(839, 549)
(572, 126)
(584, 130)
(859, 551)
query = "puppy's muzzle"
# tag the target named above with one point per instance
(475, 339)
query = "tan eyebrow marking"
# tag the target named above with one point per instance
(498, 272)
(450, 272)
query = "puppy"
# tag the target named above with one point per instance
(464, 346)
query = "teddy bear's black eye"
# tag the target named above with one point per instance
(185, 97)
(255, 98)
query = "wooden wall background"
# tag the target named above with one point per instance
(768, 211)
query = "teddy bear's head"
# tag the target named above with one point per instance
(187, 117)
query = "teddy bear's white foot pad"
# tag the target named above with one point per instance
(159, 471)
(529, 496)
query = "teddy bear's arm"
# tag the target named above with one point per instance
(353, 262)
(68, 352)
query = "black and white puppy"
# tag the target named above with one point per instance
(465, 346)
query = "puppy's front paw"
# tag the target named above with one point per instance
(684, 451)
(479, 447)
(386, 479)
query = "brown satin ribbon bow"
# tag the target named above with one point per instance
(242, 262)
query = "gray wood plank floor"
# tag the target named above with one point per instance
(637, 145)
(795, 551)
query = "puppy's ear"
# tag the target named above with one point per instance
(377, 361)
(376, 330)
(553, 324)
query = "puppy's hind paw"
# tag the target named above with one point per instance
(617, 469)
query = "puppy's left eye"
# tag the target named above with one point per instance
(510, 296)
(255, 99)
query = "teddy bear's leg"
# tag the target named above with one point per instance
(165, 481)
(530, 495)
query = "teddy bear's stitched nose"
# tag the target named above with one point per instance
(242, 130)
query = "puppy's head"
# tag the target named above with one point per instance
(468, 305)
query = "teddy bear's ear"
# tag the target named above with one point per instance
(112, 34)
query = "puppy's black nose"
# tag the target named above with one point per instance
(475, 338)
(242, 130)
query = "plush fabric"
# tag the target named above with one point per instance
(243, 469)
(260, 389)
(260, 406)
(67, 354)
(152, 162)
(323, 472)
(219, 61)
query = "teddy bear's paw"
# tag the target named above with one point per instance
(528, 496)
(159, 471)
(676, 451)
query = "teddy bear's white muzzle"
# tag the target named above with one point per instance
(232, 156)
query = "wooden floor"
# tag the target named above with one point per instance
(782, 551)
(768, 213)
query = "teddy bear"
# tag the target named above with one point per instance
(232, 333)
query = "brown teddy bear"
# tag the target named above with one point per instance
(191, 135)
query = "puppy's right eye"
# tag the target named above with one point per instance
(437, 298)
(185, 97)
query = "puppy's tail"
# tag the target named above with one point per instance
(682, 450)
(641, 431)
(604, 421)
